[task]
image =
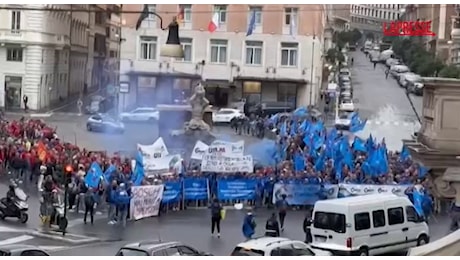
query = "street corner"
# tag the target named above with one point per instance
(68, 238)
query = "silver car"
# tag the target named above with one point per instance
(105, 124)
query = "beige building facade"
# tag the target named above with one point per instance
(280, 62)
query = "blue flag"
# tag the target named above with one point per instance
(422, 171)
(299, 162)
(358, 145)
(252, 23)
(418, 198)
(94, 175)
(300, 112)
(108, 173)
(293, 130)
(138, 174)
(319, 164)
(404, 155)
(283, 130)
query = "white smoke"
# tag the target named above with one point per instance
(393, 127)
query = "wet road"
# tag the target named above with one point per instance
(375, 93)
(384, 103)
(193, 227)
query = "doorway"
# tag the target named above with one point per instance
(13, 92)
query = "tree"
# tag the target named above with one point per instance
(370, 36)
(356, 35)
(450, 71)
(331, 55)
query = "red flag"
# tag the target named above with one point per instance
(214, 23)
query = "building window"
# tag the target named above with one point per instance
(222, 11)
(289, 52)
(15, 21)
(14, 54)
(187, 12)
(187, 46)
(152, 9)
(148, 48)
(290, 14)
(254, 52)
(287, 93)
(219, 51)
(258, 11)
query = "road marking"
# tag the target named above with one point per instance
(53, 248)
(15, 240)
(4, 229)
(41, 115)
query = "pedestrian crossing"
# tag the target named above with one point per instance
(15, 236)
(391, 123)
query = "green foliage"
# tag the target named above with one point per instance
(417, 57)
(333, 55)
(370, 36)
(450, 71)
(344, 37)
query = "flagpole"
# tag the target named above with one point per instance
(312, 65)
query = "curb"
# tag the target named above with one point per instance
(53, 236)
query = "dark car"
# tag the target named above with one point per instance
(21, 250)
(270, 108)
(159, 248)
(103, 123)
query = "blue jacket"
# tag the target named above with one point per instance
(249, 226)
(122, 199)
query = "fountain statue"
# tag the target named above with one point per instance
(199, 104)
(182, 125)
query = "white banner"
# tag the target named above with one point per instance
(346, 190)
(199, 150)
(156, 150)
(227, 149)
(145, 201)
(223, 164)
(162, 163)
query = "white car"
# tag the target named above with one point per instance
(141, 114)
(225, 115)
(347, 106)
(276, 246)
(343, 122)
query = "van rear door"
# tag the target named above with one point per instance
(329, 228)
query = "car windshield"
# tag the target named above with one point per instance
(131, 252)
(239, 251)
(108, 119)
(330, 221)
(225, 112)
(343, 116)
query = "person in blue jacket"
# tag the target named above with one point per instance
(249, 225)
(122, 200)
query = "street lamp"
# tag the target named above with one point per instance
(172, 48)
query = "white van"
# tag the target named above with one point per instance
(367, 225)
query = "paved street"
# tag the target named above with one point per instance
(383, 102)
(193, 227)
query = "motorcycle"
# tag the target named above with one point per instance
(16, 208)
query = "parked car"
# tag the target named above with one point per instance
(406, 78)
(226, 115)
(104, 123)
(397, 70)
(159, 248)
(343, 122)
(141, 114)
(271, 108)
(98, 104)
(385, 55)
(345, 72)
(344, 80)
(347, 105)
(346, 86)
(346, 95)
(416, 88)
(276, 246)
(21, 250)
(391, 61)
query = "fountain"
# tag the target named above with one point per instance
(437, 144)
(182, 125)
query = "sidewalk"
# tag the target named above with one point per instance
(57, 105)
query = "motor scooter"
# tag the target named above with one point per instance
(17, 208)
